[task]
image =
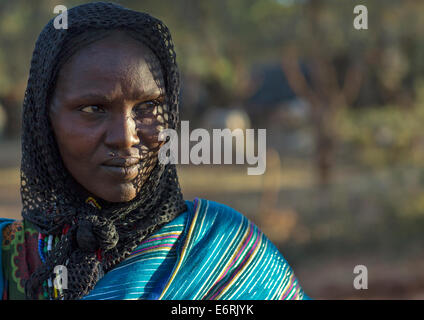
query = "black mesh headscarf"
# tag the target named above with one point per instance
(51, 198)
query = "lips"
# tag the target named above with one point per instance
(122, 168)
(121, 162)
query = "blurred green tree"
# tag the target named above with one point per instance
(219, 42)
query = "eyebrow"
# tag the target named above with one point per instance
(108, 99)
(93, 96)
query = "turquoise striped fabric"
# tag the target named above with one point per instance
(209, 252)
(143, 272)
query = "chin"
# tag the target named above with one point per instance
(120, 193)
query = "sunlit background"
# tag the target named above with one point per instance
(343, 109)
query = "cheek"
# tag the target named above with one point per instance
(149, 132)
(77, 143)
(149, 137)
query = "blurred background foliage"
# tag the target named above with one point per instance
(343, 109)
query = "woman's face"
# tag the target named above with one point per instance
(105, 116)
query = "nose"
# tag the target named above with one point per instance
(122, 133)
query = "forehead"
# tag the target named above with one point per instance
(111, 65)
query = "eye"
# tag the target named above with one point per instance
(145, 106)
(144, 111)
(91, 109)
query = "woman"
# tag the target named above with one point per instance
(97, 203)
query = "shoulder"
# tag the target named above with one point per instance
(14, 232)
(5, 224)
(19, 255)
(5, 234)
(216, 215)
(9, 230)
(208, 220)
(226, 256)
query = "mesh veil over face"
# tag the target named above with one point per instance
(51, 198)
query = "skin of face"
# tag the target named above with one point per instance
(102, 108)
